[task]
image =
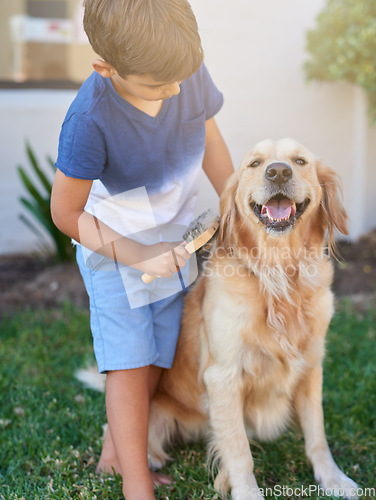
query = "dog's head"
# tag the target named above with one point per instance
(280, 187)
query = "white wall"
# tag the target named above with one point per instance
(255, 52)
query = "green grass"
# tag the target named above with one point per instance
(51, 427)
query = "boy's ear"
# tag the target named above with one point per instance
(103, 68)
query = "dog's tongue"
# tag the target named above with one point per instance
(278, 209)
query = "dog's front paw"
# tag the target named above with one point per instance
(339, 485)
(222, 482)
(247, 492)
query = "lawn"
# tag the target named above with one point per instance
(51, 427)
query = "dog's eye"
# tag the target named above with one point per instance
(255, 163)
(300, 161)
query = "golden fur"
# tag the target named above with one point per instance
(250, 353)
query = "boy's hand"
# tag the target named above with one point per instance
(162, 260)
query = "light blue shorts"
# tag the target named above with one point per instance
(126, 337)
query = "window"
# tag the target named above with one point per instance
(43, 41)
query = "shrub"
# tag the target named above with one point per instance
(38, 205)
(342, 47)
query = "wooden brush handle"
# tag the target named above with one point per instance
(147, 278)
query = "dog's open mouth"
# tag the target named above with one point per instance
(279, 213)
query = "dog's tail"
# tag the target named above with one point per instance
(91, 378)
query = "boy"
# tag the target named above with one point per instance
(131, 148)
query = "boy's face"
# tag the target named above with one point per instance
(144, 87)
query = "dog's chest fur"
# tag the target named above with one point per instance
(265, 343)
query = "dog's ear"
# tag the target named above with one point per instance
(333, 214)
(227, 208)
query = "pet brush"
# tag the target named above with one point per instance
(200, 231)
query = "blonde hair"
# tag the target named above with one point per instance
(157, 37)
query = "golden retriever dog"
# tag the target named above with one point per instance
(250, 353)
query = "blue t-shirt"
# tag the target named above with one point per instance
(104, 137)
(145, 169)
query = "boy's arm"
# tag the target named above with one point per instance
(68, 199)
(217, 163)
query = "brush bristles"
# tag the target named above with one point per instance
(199, 225)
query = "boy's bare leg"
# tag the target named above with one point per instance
(127, 403)
(108, 461)
(155, 373)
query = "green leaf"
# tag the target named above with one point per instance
(33, 191)
(43, 244)
(34, 163)
(51, 163)
(37, 212)
(39, 206)
(33, 227)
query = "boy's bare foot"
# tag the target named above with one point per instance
(112, 466)
(160, 479)
(108, 461)
(109, 466)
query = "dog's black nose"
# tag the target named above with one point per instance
(278, 172)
